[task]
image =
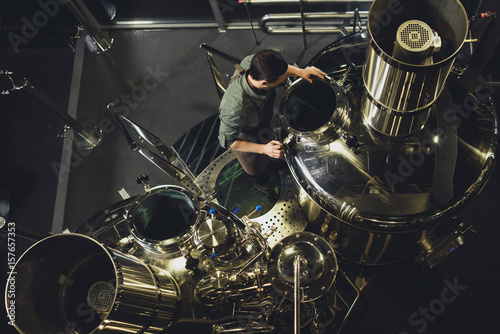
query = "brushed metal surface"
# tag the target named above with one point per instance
(401, 91)
(375, 203)
(58, 272)
(286, 215)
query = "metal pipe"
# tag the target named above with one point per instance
(220, 53)
(281, 22)
(296, 294)
(218, 15)
(30, 91)
(262, 243)
(90, 23)
(132, 145)
(357, 19)
(303, 23)
(358, 293)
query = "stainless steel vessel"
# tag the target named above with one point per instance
(402, 83)
(384, 154)
(212, 271)
(160, 217)
(70, 283)
(316, 111)
(375, 201)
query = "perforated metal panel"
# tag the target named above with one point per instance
(101, 296)
(286, 215)
(415, 36)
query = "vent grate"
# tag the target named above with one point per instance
(101, 296)
(415, 36)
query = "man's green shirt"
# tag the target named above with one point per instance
(239, 108)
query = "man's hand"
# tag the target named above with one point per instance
(310, 72)
(305, 73)
(274, 149)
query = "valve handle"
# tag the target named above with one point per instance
(257, 209)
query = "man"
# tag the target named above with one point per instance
(246, 111)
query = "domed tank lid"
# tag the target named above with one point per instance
(389, 184)
(317, 270)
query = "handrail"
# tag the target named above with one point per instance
(296, 18)
(220, 53)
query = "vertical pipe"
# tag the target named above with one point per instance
(303, 19)
(296, 294)
(90, 23)
(218, 15)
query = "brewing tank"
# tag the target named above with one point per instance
(71, 283)
(419, 143)
(411, 50)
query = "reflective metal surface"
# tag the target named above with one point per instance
(289, 23)
(374, 203)
(372, 193)
(397, 89)
(296, 293)
(235, 275)
(165, 158)
(85, 136)
(219, 82)
(285, 216)
(212, 232)
(314, 111)
(126, 286)
(159, 218)
(56, 276)
(100, 37)
(392, 123)
(217, 236)
(318, 266)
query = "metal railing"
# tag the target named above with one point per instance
(317, 22)
(283, 23)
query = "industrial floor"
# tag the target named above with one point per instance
(161, 80)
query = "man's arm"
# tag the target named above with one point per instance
(305, 73)
(273, 149)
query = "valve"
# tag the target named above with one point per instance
(143, 179)
(269, 232)
(258, 208)
(246, 218)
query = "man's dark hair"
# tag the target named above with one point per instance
(267, 65)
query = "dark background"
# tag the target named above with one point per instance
(30, 146)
